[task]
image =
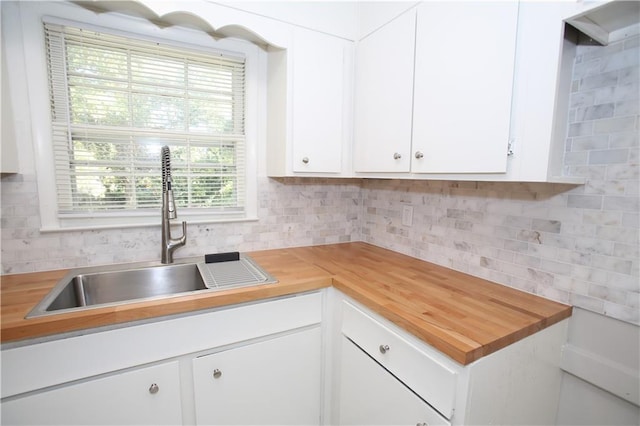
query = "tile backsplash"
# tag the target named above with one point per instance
(291, 211)
(575, 244)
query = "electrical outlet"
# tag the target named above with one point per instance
(407, 215)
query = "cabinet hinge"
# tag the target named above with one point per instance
(510, 147)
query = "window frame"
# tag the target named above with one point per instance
(32, 15)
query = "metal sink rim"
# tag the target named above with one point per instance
(41, 308)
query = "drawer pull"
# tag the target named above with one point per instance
(422, 424)
(384, 349)
(154, 388)
(217, 374)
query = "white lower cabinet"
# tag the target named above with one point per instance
(387, 380)
(386, 376)
(371, 395)
(268, 354)
(311, 359)
(276, 381)
(149, 395)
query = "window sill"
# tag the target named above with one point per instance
(191, 220)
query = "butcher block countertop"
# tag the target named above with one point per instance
(463, 316)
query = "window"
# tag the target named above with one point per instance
(117, 100)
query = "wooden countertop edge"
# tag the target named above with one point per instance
(114, 315)
(429, 332)
(442, 345)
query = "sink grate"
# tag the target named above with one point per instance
(236, 273)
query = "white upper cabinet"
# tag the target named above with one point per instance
(9, 151)
(319, 88)
(384, 96)
(479, 92)
(433, 95)
(449, 90)
(464, 63)
(308, 107)
(8, 133)
(544, 63)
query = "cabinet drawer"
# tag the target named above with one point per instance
(430, 378)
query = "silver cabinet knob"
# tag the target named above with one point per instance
(217, 374)
(154, 388)
(419, 155)
(384, 349)
(305, 160)
(397, 156)
(422, 424)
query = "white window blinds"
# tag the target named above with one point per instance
(117, 100)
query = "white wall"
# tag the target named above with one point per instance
(332, 17)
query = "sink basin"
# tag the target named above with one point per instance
(117, 286)
(93, 287)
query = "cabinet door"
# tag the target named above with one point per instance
(465, 53)
(148, 395)
(275, 381)
(370, 395)
(8, 147)
(383, 97)
(318, 102)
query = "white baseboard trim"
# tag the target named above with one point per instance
(613, 377)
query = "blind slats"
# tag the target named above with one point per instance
(117, 100)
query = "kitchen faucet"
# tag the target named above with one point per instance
(169, 211)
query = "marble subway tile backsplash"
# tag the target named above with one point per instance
(541, 243)
(292, 212)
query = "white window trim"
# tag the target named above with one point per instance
(37, 83)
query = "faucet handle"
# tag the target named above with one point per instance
(183, 239)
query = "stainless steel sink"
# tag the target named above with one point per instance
(102, 286)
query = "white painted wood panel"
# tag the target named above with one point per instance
(465, 53)
(8, 147)
(584, 404)
(37, 366)
(318, 102)
(544, 64)
(277, 381)
(517, 385)
(334, 18)
(431, 379)
(604, 352)
(120, 399)
(372, 15)
(383, 97)
(370, 395)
